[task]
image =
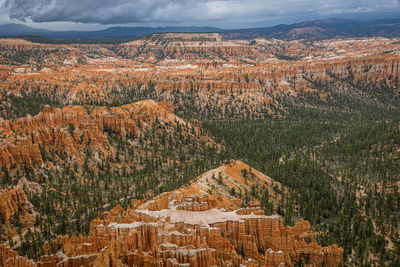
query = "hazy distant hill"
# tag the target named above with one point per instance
(18, 29)
(113, 32)
(329, 28)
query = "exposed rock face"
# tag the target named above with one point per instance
(5, 71)
(15, 209)
(213, 189)
(199, 46)
(19, 44)
(30, 187)
(203, 71)
(9, 258)
(200, 72)
(11, 200)
(17, 213)
(68, 130)
(190, 228)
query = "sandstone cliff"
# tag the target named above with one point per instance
(206, 73)
(189, 227)
(189, 47)
(28, 141)
(15, 209)
(11, 201)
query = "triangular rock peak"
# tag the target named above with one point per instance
(200, 224)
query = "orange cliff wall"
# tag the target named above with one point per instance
(98, 78)
(11, 200)
(51, 128)
(137, 238)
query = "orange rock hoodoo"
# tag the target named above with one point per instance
(11, 200)
(202, 70)
(189, 230)
(72, 128)
(200, 224)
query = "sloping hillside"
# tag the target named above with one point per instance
(189, 227)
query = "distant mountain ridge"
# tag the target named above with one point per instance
(321, 29)
(329, 28)
(11, 30)
(17, 29)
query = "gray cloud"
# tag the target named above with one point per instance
(182, 11)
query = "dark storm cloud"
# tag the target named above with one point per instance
(86, 11)
(176, 11)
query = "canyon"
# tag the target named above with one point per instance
(11, 202)
(69, 130)
(133, 154)
(202, 73)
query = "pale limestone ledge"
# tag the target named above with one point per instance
(203, 218)
(115, 225)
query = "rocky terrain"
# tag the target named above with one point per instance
(200, 73)
(88, 127)
(12, 201)
(189, 227)
(92, 147)
(184, 46)
(67, 131)
(15, 209)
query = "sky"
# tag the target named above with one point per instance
(99, 14)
